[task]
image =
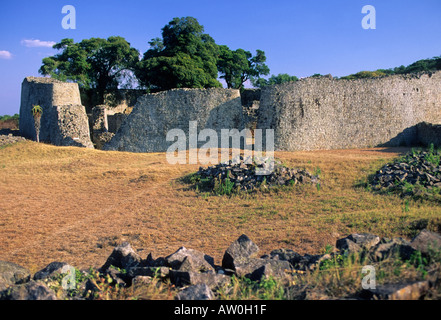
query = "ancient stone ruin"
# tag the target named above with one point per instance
(154, 115)
(326, 113)
(64, 121)
(310, 114)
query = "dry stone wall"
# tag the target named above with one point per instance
(326, 113)
(64, 121)
(429, 133)
(146, 128)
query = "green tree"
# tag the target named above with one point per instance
(185, 57)
(236, 67)
(365, 75)
(279, 79)
(424, 65)
(95, 63)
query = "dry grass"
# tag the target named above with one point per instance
(75, 205)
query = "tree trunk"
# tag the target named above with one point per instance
(37, 123)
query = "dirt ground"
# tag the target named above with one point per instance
(75, 205)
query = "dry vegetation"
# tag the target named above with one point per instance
(74, 205)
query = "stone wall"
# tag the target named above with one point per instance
(326, 113)
(116, 100)
(429, 133)
(64, 120)
(145, 129)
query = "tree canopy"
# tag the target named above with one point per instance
(94, 63)
(424, 65)
(279, 79)
(185, 57)
(236, 67)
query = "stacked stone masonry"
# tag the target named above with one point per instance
(310, 114)
(64, 121)
(154, 115)
(326, 113)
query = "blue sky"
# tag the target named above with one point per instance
(299, 37)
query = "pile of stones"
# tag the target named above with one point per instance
(248, 174)
(418, 168)
(6, 139)
(196, 277)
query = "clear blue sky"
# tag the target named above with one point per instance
(299, 37)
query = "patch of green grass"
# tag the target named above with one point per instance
(223, 187)
(241, 288)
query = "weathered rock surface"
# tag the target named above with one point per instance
(356, 242)
(12, 274)
(239, 251)
(426, 241)
(31, 290)
(400, 291)
(196, 292)
(52, 269)
(193, 259)
(123, 257)
(6, 139)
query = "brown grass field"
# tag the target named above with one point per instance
(75, 205)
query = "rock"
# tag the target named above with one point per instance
(388, 248)
(196, 292)
(9, 139)
(123, 257)
(286, 255)
(195, 260)
(151, 262)
(12, 274)
(348, 245)
(31, 290)
(426, 241)
(401, 291)
(239, 251)
(249, 174)
(154, 272)
(118, 277)
(357, 241)
(311, 262)
(141, 281)
(257, 269)
(184, 278)
(415, 170)
(53, 269)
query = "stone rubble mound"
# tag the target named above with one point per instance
(6, 139)
(249, 175)
(196, 276)
(419, 168)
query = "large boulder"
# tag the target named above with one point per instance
(195, 260)
(123, 257)
(426, 242)
(239, 252)
(12, 274)
(31, 290)
(357, 242)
